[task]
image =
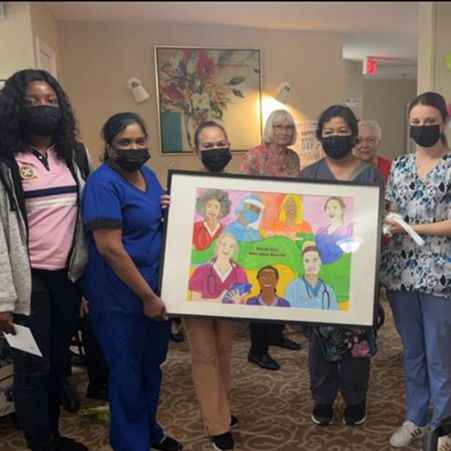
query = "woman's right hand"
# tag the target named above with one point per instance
(6, 323)
(154, 308)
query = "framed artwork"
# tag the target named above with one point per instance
(272, 249)
(199, 84)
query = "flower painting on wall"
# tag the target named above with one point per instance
(199, 84)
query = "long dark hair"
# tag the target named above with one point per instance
(13, 135)
(434, 100)
(117, 123)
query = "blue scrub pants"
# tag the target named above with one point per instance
(134, 347)
(424, 323)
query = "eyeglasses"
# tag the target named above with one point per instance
(283, 127)
(370, 141)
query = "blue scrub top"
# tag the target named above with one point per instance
(243, 233)
(109, 201)
(301, 294)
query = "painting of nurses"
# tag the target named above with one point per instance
(248, 213)
(291, 219)
(268, 277)
(212, 281)
(309, 290)
(212, 205)
(337, 228)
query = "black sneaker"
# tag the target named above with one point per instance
(266, 361)
(234, 422)
(167, 444)
(223, 442)
(286, 343)
(322, 414)
(355, 414)
(69, 444)
(97, 392)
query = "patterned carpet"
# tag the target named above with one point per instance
(273, 407)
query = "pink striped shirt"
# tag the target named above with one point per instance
(51, 204)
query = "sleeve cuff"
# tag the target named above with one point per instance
(103, 223)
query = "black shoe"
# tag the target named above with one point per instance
(322, 414)
(355, 414)
(234, 422)
(178, 337)
(167, 444)
(223, 442)
(266, 361)
(69, 444)
(286, 343)
(97, 392)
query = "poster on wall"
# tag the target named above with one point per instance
(199, 84)
(307, 146)
(271, 249)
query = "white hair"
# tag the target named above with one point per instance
(278, 116)
(374, 127)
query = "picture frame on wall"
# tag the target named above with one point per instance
(259, 248)
(196, 84)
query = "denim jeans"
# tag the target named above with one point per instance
(38, 381)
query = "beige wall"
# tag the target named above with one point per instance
(98, 58)
(384, 101)
(16, 40)
(433, 47)
(353, 84)
(43, 26)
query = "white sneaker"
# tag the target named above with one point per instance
(406, 434)
(444, 443)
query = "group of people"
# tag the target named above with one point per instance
(64, 234)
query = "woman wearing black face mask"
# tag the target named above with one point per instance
(42, 250)
(122, 212)
(418, 278)
(337, 131)
(211, 340)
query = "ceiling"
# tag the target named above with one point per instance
(382, 29)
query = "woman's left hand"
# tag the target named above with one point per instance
(165, 200)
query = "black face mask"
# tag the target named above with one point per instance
(425, 135)
(131, 160)
(41, 120)
(215, 160)
(337, 147)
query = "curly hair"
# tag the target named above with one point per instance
(218, 194)
(13, 136)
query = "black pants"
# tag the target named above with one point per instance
(350, 376)
(38, 381)
(95, 362)
(263, 335)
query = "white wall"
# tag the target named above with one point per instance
(16, 40)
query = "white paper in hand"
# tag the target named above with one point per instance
(23, 340)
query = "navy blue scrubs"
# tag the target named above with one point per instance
(134, 345)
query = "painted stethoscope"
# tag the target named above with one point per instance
(325, 296)
(211, 279)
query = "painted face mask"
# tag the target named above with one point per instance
(215, 160)
(337, 147)
(41, 120)
(131, 160)
(250, 216)
(425, 135)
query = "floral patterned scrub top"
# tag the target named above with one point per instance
(406, 266)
